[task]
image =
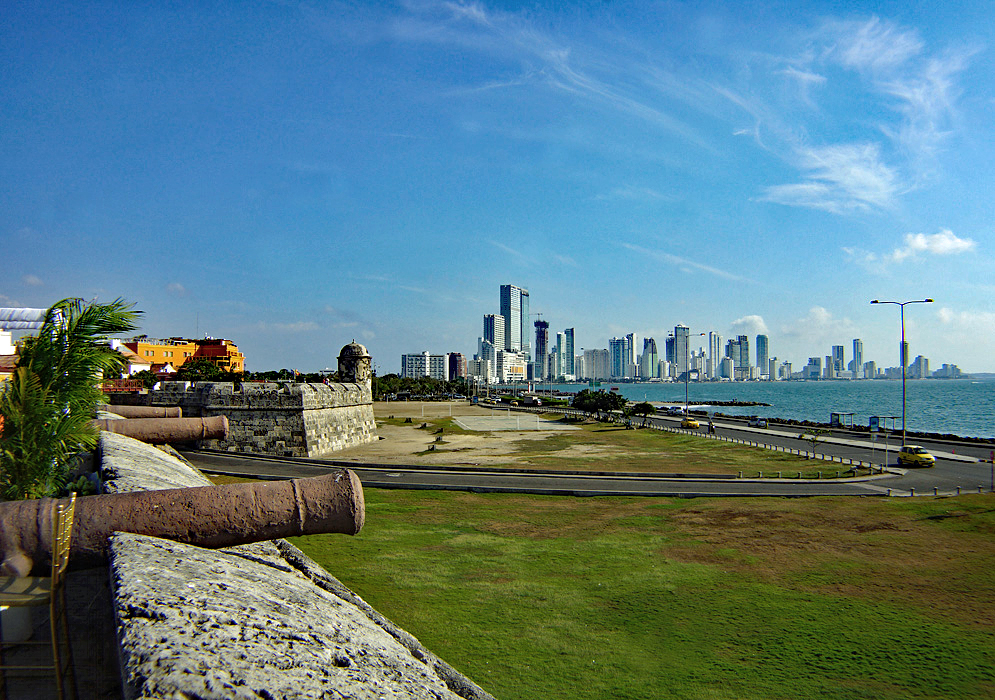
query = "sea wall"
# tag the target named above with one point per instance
(254, 621)
(278, 418)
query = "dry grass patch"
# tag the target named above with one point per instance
(831, 545)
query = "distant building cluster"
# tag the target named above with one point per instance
(506, 353)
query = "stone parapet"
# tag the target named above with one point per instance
(254, 621)
(279, 418)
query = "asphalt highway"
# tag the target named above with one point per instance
(945, 478)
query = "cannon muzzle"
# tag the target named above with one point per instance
(143, 411)
(207, 516)
(159, 431)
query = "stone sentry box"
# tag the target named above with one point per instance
(283, 418)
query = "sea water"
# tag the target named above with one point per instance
(964, 407)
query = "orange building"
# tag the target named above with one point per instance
(176, 351)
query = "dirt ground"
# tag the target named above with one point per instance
(403, 444)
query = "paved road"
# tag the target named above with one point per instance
(558, 483)
(957, 468)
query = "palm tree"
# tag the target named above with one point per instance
(644, 409)
(49, 400)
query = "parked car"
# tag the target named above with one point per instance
(690, 423)
(675, 411)
(757, 423)
(915, 456)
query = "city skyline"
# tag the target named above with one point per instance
(504, 359)
(293, 177)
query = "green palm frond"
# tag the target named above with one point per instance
(51, 397)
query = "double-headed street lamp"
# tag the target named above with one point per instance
(687, 362)
(902, 353)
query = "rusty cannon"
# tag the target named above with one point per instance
(206, 516)
(167, 430)
(143, 411)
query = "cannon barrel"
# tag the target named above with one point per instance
(166, 430)
(207, 516)
(143, 411)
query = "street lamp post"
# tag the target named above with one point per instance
(687, 365)
(903, 357)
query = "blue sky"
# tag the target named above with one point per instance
(295, 175)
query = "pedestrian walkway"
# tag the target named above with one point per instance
(510, 421)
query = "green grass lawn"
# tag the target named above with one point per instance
(558, 597)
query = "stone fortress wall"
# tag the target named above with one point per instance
(283, 418)
(247, 622)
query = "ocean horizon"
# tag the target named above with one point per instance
(964, 407)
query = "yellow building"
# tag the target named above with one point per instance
(176, 351)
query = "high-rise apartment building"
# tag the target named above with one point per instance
(743, 368)
(457, 365)
(515, 309)
(681, 350)
(597, 364)
(858, 358)
(838, 358)
(616, 351)
(541, 346)
(714, 354)
(424, 364)
(568, 352)
(648, 363)
(762, 355)
(494, 328)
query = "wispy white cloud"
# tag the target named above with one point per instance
(910, 91)
(683, 263)
(176, 288)
(873, 46)
(32, 280)
(914, 246)
(622, 85)
(514, 252)
(840, 179)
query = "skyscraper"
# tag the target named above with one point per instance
(648, 364)
(743, 368)
(616, 352)
(714, 353)
(762, 355)
(630, 355)
(515, 309)
(838, 358)
(541, 346)
(858, 358)
(494, 326)
(568, 338)
(681, 349)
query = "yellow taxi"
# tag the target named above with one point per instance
(690, 423)
(915, 456)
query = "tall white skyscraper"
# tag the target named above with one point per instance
(762, 354)
(494, 326)
(515, 309)
(858, 358)
(714, 353)
(681, 350)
